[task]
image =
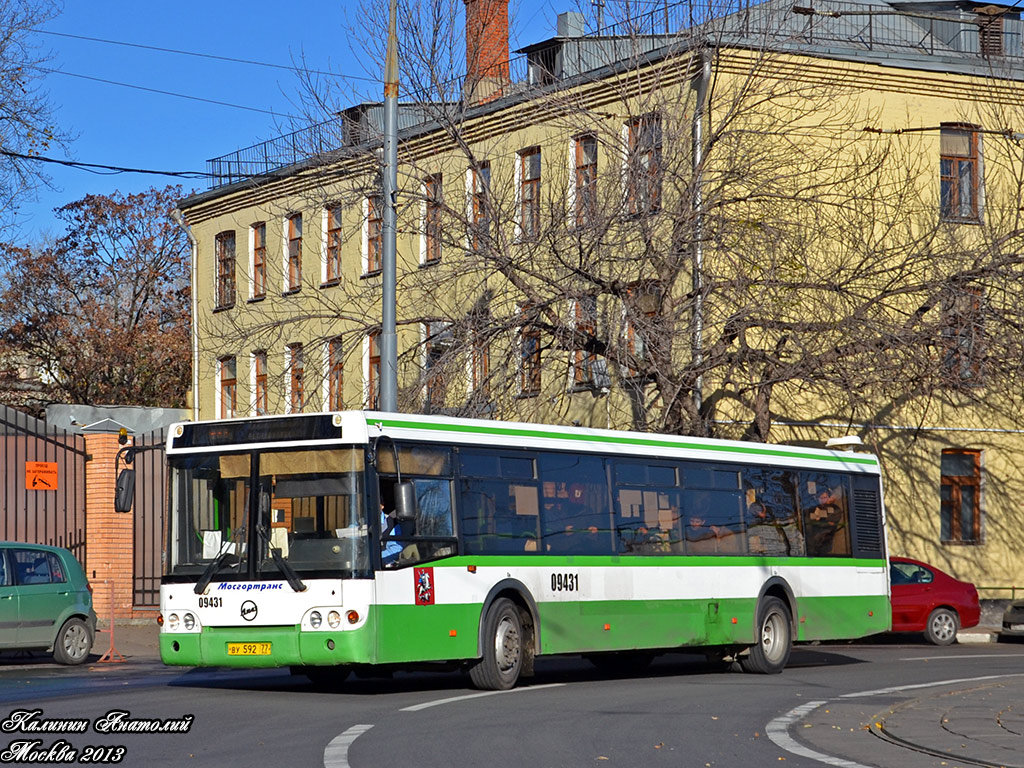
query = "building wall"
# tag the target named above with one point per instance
(831, 103)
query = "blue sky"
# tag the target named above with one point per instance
(117, 125)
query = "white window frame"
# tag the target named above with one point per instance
(324, 215)
(252, 261)
(219, 393)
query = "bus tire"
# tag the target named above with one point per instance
(942, 626)
(502, 660)
(768, 656)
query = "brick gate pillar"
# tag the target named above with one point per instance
(108, 534)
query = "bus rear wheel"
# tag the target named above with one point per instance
(502, 660)
(768, 656)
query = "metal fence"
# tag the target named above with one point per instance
(148, 513)
(43, 485)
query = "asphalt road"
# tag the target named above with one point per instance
(852, 705)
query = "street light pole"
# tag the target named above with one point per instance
(388, 337)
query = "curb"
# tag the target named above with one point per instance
(974, 636)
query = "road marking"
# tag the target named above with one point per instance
(963, 656)
(901, 688)
(452, 699)
(336, 753)
(778, 729)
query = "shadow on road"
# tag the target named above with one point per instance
(566, 670)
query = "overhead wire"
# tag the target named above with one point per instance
(216, 57)
(161, 92)
(99, 168)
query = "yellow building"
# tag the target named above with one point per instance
(776, 223)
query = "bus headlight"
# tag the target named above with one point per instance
(315, 619)
(172, 622)
(334, 619)
(189, 622)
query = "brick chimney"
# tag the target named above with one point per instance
(486, 50)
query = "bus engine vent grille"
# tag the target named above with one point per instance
(868, 522)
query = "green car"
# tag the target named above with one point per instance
(45, 602)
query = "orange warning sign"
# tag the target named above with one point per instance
(41, 475)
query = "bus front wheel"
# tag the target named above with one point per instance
(502, 660)
(768, 656)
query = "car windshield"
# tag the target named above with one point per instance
(309, 506)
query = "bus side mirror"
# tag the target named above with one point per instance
(124, 495)
(405, 502)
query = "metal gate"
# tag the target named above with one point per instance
(43, 485)
(148, 510)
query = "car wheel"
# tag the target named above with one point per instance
(73, 642)
(942, 626)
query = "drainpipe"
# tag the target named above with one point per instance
(698, 138)
(180, 221)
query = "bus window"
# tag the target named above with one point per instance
(648, 521)
(574, 515)
(414, 460)
(432, 534)
(714, 522)
(498, 516)
(824, 508)
(773, 526)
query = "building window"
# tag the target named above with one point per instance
(584, 322)
(259, 260)
(643, 165)
(296, 379)
(960, 173)
(335, 375)
(529, 194)
(585, 180)
(961, 496)
(641, 312)
(260, 396)
(225, 245)
(437, 344)
(374, 233)
(963, 335)
(373, 370)
(294, 253)
(333, 271)
(479, 206)
(481, 364)
(529, 352)
(228, 375)
(432, 219)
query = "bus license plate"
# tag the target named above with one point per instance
(248, 649)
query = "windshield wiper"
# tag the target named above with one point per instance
(282, 565)
(210, 572)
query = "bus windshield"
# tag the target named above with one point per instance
(308, 505)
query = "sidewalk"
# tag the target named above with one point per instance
(138, 641)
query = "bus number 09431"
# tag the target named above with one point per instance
(565, 582)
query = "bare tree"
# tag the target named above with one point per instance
(27, 126)
(707, 250)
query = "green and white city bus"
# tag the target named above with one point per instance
(344, 541)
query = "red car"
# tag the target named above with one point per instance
(924, 599)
